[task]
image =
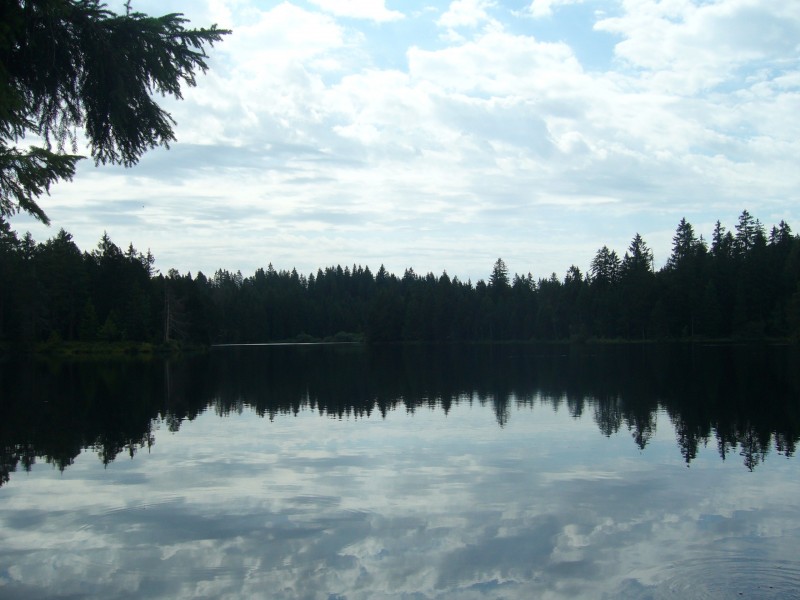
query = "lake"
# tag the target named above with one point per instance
(413, 472)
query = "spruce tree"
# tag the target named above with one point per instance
(69, 65)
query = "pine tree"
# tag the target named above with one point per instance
(746, 233)
(684, 244)
(499, 277)
(638, 259)
(605, 267)
(73, 64)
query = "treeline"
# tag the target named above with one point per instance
(745, 283)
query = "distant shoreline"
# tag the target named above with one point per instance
(146, 350)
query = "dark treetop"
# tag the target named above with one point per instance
(745, 285)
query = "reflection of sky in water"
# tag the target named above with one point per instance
(422, 505)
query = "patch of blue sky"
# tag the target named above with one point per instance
(388, 43)
(779, 74)
(573, 25)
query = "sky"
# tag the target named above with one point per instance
(443, 135)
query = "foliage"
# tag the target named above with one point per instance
(749, 290)
(67, 65)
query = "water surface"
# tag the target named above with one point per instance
(415, 472)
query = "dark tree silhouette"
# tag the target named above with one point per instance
(70, 64)
(52, 290)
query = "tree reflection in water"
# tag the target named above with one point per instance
(739, 398)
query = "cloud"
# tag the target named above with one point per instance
(688, 47)
(544, 8)
(372, 10)
(466, 13)
(332, 140)
(305, 507)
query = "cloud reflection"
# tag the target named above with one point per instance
(338, 473)
(395, 508)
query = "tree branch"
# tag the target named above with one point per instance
(25, 176)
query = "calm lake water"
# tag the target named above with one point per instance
(419, 472)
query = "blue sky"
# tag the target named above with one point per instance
(442, 135)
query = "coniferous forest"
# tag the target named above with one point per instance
(743, 284)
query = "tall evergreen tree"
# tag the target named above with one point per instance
(70, 64)
(637, 283)
(605, 267)
(638, 259)
(62, 276)
(499, 277)
(684, 244)
(746, 234)
(781, 235)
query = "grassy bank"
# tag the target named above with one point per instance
(99, 349)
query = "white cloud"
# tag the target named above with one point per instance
(373, 10)
(544, 8)
(311, 508)
(498, 64)
(688, 47)
(282, 35)
(451, 151)
(466, 13)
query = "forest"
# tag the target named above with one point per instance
(743, 284)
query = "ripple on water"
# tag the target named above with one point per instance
(722, 578)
